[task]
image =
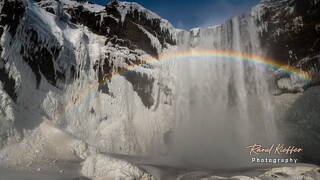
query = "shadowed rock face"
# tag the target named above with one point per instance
(36, 53)
(8, 84)
(143, 85)
(292, 31)
(131, 33)
(292, 37)
(44, 59)
(11, 13)
(153, 27)
(41, 60)
(300, 125)
(108, 23)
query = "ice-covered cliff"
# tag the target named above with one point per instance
(58, 57)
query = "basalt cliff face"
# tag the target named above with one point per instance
(59, 60)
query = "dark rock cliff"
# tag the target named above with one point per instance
(291, 32)
(125, 31)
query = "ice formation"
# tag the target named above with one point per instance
(56, 57)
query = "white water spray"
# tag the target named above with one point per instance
(222, 105)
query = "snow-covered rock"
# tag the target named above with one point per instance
(81, 66)
(107, 167)
(129, 24)
(297, 173)
(51, 56)
(288, 29)
(285, 173)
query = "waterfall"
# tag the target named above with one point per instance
(214, 107)
(222, 104)
(200, 112)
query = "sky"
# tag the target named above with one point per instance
(187, 14)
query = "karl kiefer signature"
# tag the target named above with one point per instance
(275, 149)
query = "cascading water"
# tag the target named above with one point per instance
(218, 106)
(222, 104)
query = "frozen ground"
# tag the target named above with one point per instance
(97, 166)
(7, 174)
(64, 134)
(299, 172)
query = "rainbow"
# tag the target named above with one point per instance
(188, 54)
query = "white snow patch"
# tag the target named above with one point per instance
(89, 6)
